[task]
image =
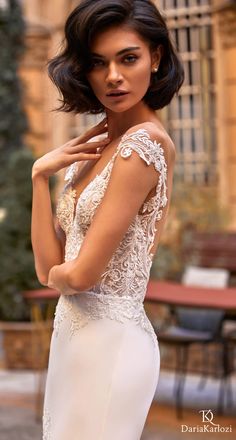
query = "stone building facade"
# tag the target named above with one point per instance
(48, 129)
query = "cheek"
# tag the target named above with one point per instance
(144, 70)
(141, 78)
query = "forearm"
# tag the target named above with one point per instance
(68, 279)
(46, 245)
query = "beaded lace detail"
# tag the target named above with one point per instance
(125, 279)
(82, 308)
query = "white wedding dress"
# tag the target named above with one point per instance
(104, 357)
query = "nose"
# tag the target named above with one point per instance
(114, 75)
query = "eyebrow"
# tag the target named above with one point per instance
(121, 52)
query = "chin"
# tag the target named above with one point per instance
(123, 107)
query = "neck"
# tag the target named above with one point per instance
(119, 123)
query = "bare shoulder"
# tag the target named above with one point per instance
(160, 136)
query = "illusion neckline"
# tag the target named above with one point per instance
(77, 197)
(72, 189)
(74, 192)
(99, 174)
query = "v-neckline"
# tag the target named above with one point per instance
(72, 189)
(76, 173)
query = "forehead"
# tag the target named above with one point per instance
(114, 39)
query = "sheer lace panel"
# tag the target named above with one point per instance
(130, 266)
(127, 273)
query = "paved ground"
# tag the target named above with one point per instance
(17, 405)
(17, 423)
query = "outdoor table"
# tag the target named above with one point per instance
(40, 294)
(163, 292)
(37, 298)
(176, 294)
(173, 295)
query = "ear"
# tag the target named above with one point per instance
(156, 56)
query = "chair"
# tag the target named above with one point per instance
(194, 325)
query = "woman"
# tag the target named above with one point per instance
(104, 356)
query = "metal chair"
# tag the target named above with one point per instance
(194, 325)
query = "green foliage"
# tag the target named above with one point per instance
(13, 122)
(199, 207)
(17, 266)
(167, 262)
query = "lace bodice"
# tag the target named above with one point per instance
(128, 271)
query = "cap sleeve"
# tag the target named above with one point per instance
(148, 150)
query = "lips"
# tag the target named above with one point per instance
(117, 93)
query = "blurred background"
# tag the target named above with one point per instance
(198, 247)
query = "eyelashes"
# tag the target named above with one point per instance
(127, 59)
(131, 58)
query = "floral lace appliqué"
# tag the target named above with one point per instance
(127, 273)
(79, 309)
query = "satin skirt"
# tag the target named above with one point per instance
(101, 380)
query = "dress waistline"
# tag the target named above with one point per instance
(85, 306)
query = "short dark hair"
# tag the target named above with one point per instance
(91, 17)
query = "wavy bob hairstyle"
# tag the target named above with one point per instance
(69, 69)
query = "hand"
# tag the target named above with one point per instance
(52, 278)
(57, 279)
(75, 150)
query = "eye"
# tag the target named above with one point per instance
(97, 63)
(129, 59)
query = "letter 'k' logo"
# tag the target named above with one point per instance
(207, 416)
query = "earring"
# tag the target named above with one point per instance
(155, 70)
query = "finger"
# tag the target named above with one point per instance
(89, 135)
(88, 146)
(94, 131)
(102, 122)
(95, 144)
(86, 137)
(86, 156)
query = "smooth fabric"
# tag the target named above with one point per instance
(101, 384)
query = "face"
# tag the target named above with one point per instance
(121, 68)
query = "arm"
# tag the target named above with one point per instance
(48, 240)
(45, 241)
(130, 182)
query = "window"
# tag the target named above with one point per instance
(190, 118)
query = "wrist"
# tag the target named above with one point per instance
(68, 278)
(59, 278)
(37, 173)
